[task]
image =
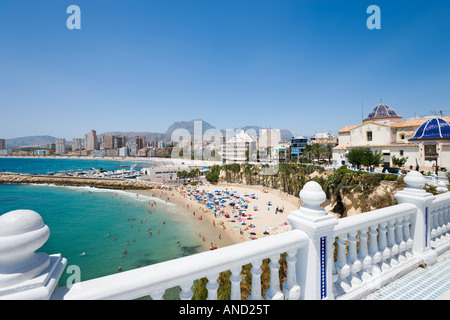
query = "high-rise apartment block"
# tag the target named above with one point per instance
(90, 140)
(60, 146)
(2, 144)
(77, 144)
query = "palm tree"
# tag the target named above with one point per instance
(329, 151)
(316, 149)
(308, 150)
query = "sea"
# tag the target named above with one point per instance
(101, 230)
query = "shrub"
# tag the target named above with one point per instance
(390, 177)
(212, 176)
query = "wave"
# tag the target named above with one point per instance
(134, 195)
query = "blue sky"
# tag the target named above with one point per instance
(139, 65)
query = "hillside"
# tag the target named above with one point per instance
(30, 141)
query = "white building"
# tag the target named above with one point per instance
(384, 130)
(77, 144)
(269, 145)
(123, 152)
(60, 146)
(164, 173)
(239, 148)
(90, 141)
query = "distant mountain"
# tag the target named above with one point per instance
(131, 135)
(189, 126)
(285, 133)
(31, 141)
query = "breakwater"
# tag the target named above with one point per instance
(122, 184)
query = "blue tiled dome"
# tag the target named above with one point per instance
(382, 111)
(434, 128)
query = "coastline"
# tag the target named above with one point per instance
(218, 230)
(266, 221)
(151, 160)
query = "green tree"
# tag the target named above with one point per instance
(212, 177)
(372, 158)
(399, 162)
(356, 156)
(316, 150)
(329, 151)
(308, 151)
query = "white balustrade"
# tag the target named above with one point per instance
(382, 239)
(153, 280)
(439, 222)
(371, 249)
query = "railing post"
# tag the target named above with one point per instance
(416, 195)
(315, 261)
(24, 273)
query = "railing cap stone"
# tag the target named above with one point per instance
(415, 179)
(19, 222)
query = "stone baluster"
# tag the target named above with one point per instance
(274, 292)
(434, 224)
(447, 221)
(290, 287)
(212, 285)
(416, 195)
(341, 265)
(442, 222)
(399, 240)
(314, 266)
(407, 236)
(444, 217)
(373, 250)
(157, 294)
(335, 277)
(186, 290)
(24, 273)
(354, 263)
(383, 248)
(256, 280)
(393, 246)
(363, 256)
(235, 279)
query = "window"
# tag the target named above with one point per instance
(401, 152)
(402, 136)
(369, 135)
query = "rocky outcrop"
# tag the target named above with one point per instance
(347, 203)
(129, 184)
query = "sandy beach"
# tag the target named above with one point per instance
(266, 212)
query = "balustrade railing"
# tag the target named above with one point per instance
(440, 223)
(326, 257)
(153, 280)
(369, 245)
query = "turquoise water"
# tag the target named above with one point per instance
(47, 165)
(83, 219)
